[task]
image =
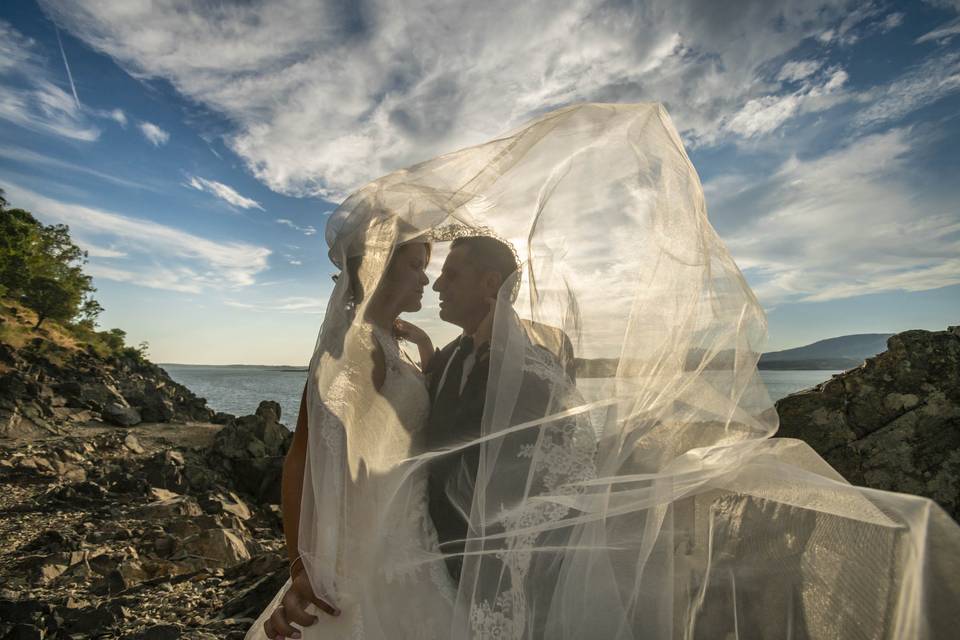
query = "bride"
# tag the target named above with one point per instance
(377, 504)
(695, 522)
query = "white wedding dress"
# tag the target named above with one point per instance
(383, 562)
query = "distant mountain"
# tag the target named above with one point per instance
(844, 352)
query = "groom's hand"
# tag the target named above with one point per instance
(293, 608)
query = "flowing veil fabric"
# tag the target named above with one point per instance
(650, 503)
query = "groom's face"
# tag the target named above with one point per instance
(463, 290)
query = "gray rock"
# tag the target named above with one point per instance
(893, 423)
(229, 502)
(165, 471)
(169, 504)
(219, 547)
(251, 450)
(121, 415)
(222, 418)
(269, 410)
(131, 442)
(24, 631)
(160, 632)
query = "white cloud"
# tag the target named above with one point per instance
(320, 110)
(308, 230)
(26, 156)
(764, 115)
(118, 116)
(936, 78)
(96, 251)
(847, 224)
(798, 70)
(291, 304)
(892, 21)
(36, 102)
(942, 33)
(154, 134)
(226, 193)
(157, 255)
(862, 20)
(946, 4)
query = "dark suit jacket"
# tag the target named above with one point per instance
(451, 477)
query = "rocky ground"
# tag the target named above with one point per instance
(140, 532)
(892, 423)
(128, 508)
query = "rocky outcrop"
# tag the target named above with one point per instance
(892, 423)
(147, 531)
(44, 386)
(251, 449)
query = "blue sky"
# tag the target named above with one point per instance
(196, 149)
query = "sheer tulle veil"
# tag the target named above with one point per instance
(653, 502)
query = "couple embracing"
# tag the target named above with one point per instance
(409, 438)
(484, 493)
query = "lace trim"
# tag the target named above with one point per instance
(564, 457)
(418, 522)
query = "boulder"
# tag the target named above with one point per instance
(169, 505)
(219, 547)
(94, 395)
(251, 450)
(222, 418)
(155, 407)
(121, 415)
(269, 410)
(229, 503)
(160, 632)
(130, 442)
(892, 423)
(165, 471)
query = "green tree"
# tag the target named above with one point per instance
(42, 268)
(19, 242)
(90, 310)
(51, 299)
(114, 339)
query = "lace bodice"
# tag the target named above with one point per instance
(403, 387)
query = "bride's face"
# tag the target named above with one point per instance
(406, 277)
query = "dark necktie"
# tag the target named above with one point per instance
(449, 393)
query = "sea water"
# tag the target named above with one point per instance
(239, 389)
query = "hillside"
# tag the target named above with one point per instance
(57, 376)
(843, 352)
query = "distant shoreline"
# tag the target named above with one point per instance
(273, 367)
(776, 366)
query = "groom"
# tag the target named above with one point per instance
(468, 286)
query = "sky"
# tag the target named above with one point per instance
(196, 149)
